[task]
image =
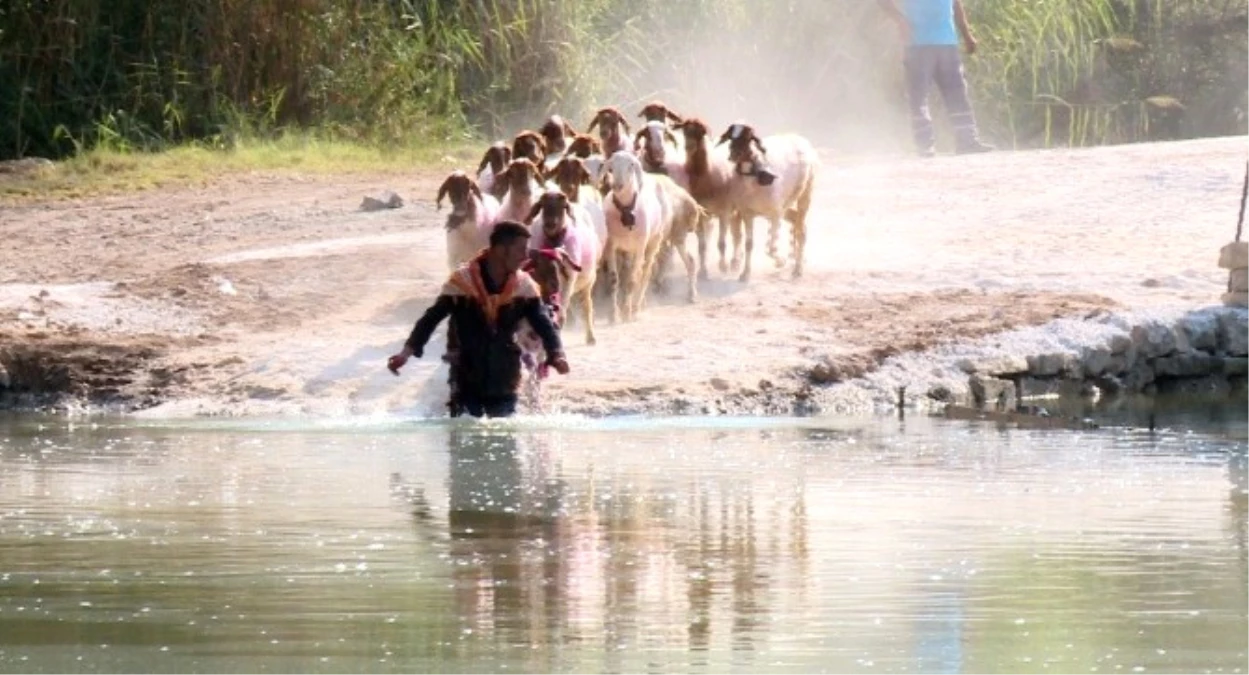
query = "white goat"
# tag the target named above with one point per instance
(569, 238)
(637, 227)
(471, 219)
(783, 191)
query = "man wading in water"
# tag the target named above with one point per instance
(486, 298)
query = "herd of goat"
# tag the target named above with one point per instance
(607, 207)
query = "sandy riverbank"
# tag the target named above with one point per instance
(266, 294)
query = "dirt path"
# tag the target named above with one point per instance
(277, 294)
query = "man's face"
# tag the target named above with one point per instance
(515, 254)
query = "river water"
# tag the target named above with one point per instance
(625, 545)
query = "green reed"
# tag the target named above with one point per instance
(140, 75)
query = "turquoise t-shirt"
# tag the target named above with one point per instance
(932, 22)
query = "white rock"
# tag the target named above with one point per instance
(1234, 333)
(1200, 331)
(1096, 361)
(1153, 339)
(1049, 365)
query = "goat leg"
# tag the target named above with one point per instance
(691, 272)
(587, 306)
(749, 227)
(614, 282)
(799, 246)
(722, 220)
(738, 224)
(654, 251)
(774, 232)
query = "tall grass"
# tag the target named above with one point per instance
(146, 74)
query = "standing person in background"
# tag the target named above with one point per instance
(931, 30)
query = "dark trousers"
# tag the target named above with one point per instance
(500, 406)
(466, 402)
(942, 65)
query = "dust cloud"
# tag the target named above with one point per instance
(830, 71)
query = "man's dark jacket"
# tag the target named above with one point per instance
(484, 318)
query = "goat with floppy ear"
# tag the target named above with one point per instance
(569, 174)
(548, 203)
(523, 166)
(657, 111)
(496, 157)
(471, 219)
(608, 114)
(456, 182)
(493, 163)
(775, 185)
(529, 144)
(520, 176)
(737, 132)
(584, 145)
(568, 226)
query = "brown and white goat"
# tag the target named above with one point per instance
(557, 133)
(784, 191)
(471, 219)
(573, 179)
(610, 121)
(709, 175)
(529, 144)
(583, 146)
(565, 228)
(545, 266)
(493, 163)
(521, 175)
(658, 149)
(656, 111)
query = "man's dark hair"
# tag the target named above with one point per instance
(507, 231)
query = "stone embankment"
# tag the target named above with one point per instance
(1204, 350)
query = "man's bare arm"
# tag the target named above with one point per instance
(964, 29)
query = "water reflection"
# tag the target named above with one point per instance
(884, 545)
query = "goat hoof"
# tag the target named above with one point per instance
(590, 340)
(724, 267)
(744, 277)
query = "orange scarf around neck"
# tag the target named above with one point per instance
(471, 283)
